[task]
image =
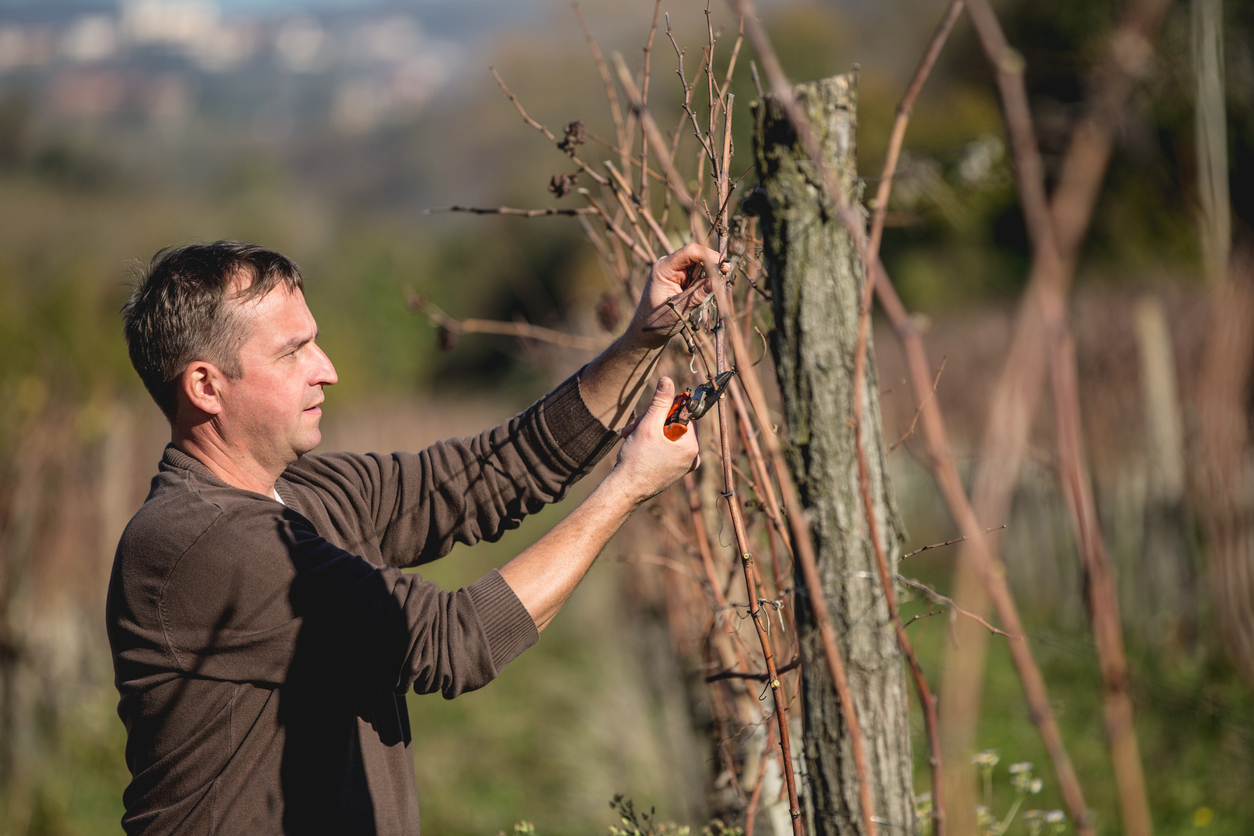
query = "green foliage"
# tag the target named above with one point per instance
(1192, 724)
(639, 823)
(951, 241)
(1023, 785)
(73, 785)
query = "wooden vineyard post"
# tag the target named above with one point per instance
(816, 278)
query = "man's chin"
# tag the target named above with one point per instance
(308, 443)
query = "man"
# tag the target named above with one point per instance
(263, 635)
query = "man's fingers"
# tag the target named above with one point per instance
(663, 395)
(630, 426)
(684, 264)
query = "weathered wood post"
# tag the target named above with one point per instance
(815, 276)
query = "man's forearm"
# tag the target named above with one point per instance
(612, 384)
(545, 575)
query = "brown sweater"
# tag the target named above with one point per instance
(262, 651)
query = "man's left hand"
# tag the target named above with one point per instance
(670, 281)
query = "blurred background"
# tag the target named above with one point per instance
(328, 129)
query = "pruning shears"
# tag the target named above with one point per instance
(690, 405)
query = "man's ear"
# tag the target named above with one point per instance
(202, 385)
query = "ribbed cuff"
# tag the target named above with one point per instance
(506, 622)
(576, 431)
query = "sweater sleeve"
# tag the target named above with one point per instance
(284, 605)
(463, 490)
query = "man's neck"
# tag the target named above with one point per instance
(234, 468)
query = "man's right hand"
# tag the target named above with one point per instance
(648, 461)
(545, 574)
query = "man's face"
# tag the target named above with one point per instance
(271, 412)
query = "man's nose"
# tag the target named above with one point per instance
(325, 372)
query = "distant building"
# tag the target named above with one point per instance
(194, 28)
(26, 46)
(90, 38)
(363, 68)
(182, 23)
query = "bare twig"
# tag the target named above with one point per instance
(758, 461)
(689, 114)
(711, 95)
(903, 118)
(921, 616)
(1102, 599)
(757, 677)
(949, 602)
(656, 560)
(622, 193)
(623, 188)
(735, 54)
(746, 555)
(946, 543)
(803, 548)
(711, 573)
(927, 699)
(523, 330)
(919, 409)
(719, 282)
(599, 178)
(673, 177)
(508, 210)
(611, 94)
(1056, 229)
(612, 225)
(644, 100)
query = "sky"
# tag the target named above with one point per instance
(254, 6)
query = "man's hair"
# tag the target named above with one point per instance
(184, 308)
